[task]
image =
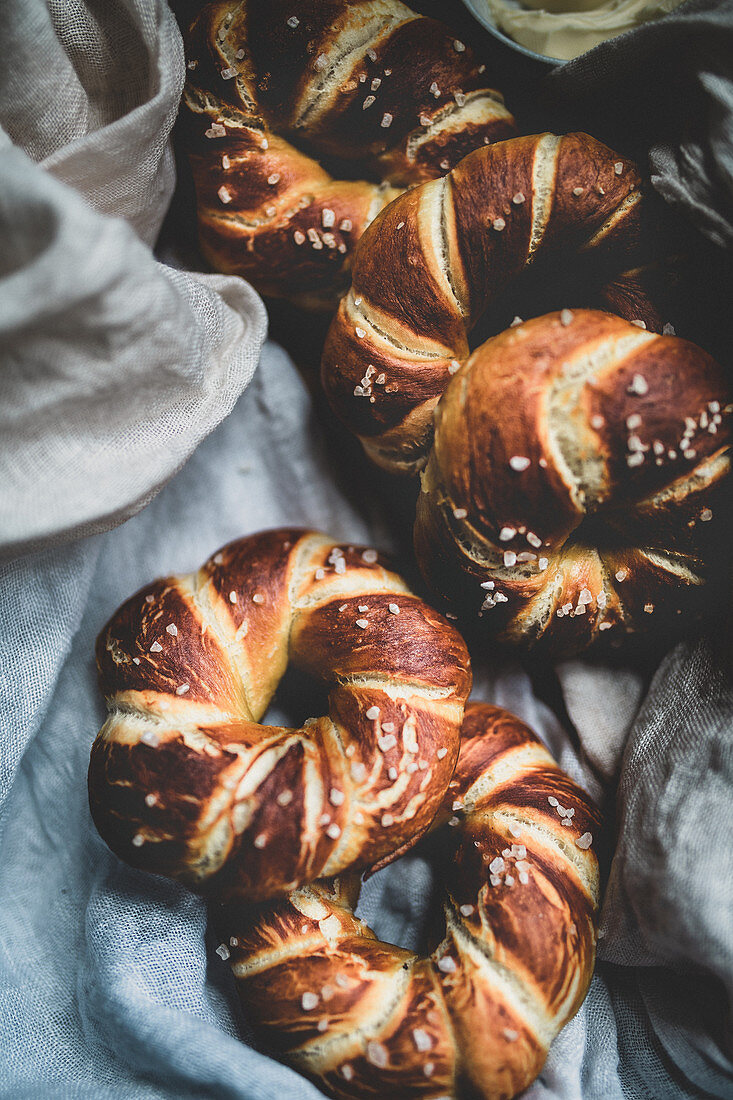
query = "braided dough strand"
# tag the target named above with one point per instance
(184, 781)
(476, 1017)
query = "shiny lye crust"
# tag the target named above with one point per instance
(579, 483)
(392, 96)
(450, 248)
(185, 782)
(476, 1017)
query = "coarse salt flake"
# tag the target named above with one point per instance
(422, 1040)
(377, 1054)
(585, 840)
(519, 463)
(309, 1001)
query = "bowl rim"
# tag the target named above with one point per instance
(480, 12)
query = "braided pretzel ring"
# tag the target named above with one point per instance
(333, 77)
(450, 247)
(579, 482)
(183, 781)
(364, 1018)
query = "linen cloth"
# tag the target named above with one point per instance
(109, 981)
(114, 366)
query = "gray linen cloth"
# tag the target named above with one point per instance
(113, 369)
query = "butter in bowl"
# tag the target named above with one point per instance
(559, 30)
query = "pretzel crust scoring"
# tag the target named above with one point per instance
(430, 264)
(184, 782)
(579, 482)
(384, 92)
(364, 1018)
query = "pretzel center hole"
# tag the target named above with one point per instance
(298, 697)
(547, 286)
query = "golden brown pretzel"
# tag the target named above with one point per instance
(183, 781)
(431, 263)
(476, 1017)
(579, 482)
(388, 95)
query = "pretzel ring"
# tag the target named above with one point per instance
(437, 257)
(363, 1018)
(579, 484)
(390, 97)
(184, 782)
